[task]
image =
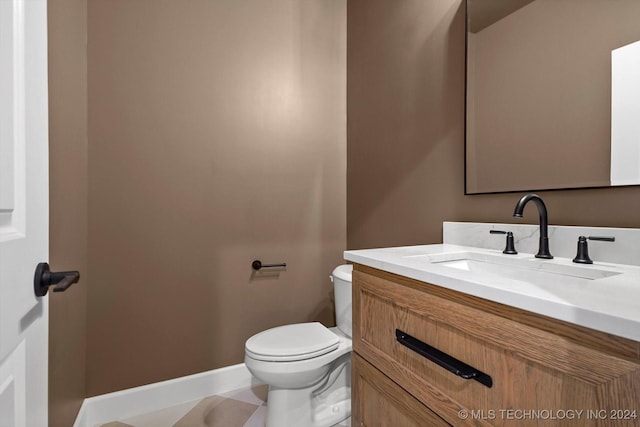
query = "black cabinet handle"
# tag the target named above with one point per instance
(44, 278)
(448, 362)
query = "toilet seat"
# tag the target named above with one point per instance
(290, 343)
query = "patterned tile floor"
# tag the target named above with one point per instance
(239, 408)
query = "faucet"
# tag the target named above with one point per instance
(543, 248)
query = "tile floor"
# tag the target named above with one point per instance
(239, 408)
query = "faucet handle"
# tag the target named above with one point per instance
(602, 238)
(510, 248)
(582, 257)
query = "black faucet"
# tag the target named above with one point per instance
(543, 249)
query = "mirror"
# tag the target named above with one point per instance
(539, 94)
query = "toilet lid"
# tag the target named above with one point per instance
(292, 342)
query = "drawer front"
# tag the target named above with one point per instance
(536, 377)
(379, 402)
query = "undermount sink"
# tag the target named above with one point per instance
(517, 268)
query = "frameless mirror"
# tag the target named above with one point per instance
(553, 94)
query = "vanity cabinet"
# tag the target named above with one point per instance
(533, 370)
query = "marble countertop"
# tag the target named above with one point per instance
(609, 304)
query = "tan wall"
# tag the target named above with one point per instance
(405, 174)
(68, 205)
(217, 136)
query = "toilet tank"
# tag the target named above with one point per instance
(341, 278)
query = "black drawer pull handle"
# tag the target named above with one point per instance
(449, 363)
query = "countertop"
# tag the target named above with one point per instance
(609, 304)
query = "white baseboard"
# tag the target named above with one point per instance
(152, 397)
(81, 418)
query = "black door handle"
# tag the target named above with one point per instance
(44, 278)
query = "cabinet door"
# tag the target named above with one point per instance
(538, 377)
(378, 401)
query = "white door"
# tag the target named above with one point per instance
(23, 211)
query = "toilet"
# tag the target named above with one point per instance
(307, 365)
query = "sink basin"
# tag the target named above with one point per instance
(505, 266)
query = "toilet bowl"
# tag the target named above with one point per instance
(307, 365)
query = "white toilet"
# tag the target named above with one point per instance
(307, 366)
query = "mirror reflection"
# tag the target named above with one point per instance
(553, 97)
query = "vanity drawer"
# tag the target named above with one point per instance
(381, 402)
(531, 370)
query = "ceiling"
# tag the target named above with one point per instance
(482, 13)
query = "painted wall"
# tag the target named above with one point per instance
(405, 173)
(217, 136)
(68, 162)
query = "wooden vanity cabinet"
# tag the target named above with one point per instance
(543, 372)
